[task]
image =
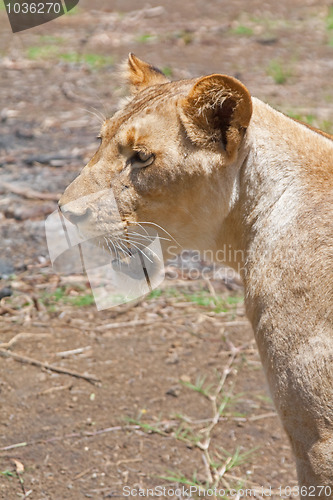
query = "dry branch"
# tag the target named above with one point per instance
(20, 336)
(29, 193)
(125, 324)
(30, 361)
(69, 436)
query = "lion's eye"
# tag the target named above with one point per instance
(142, 159)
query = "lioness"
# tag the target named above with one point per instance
(217, 168)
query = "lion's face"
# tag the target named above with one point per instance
(163, 155)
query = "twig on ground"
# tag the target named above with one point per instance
(216, 475)
(207, 469)
(211, 289)
(56, 388)
(72, 352)
(30, 361)
(70, 436)
(29, 193)
(235, 323)
(20, 336)
(6, 309)
(125, 324)
(83, 473)
(130, 460)
(271, 414)
(141, 322)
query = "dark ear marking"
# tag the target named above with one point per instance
(216, 113)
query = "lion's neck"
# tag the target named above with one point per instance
(278, 159)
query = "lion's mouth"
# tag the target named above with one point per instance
(121, 263)
(136, 262)
(131, 267)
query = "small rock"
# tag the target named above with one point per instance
(154, 11)
(24, 134)
(6, 292)
(6, 268)
(267, 41)
(172, 359)
(173, 391)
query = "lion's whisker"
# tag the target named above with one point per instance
(139, 224)
(107, 240)
(126, 251)
(136, 234)
(142, 252)
(159, 227)
(98, 115)
(135, 243)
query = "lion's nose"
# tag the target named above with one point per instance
(74, 217)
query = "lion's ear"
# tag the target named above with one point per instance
(141, 74)
(216, 113)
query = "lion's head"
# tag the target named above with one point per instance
(168, 155)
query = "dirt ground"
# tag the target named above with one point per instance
(139, 409)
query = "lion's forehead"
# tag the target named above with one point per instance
(141, 127)
(146, 109)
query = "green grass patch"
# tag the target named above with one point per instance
(167, 71)
(310, 119)
(95, 61)
(198, 386)
(236, 458)
(145, 38)
(329, 19)
(232, 300)
(326, 126)
(187, 36)
(48, 39)
(278, 71)
(167, 293)
(82, 300)
(218, 304)
(7, 473)
(329, 25)
(42, 52)
(53, 51)
(202, 298)
(78, 297)
(180, 478)
(242, 30)
(146, 427)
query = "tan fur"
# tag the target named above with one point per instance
(231, 172)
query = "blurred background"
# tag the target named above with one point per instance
(159, 361)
